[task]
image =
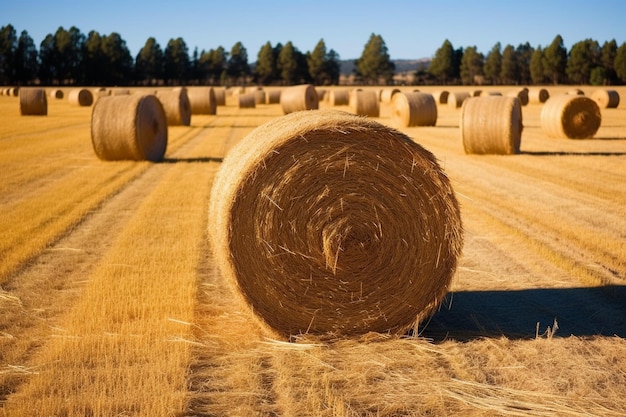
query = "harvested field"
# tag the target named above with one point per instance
(111, 303)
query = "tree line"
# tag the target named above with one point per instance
(69, 57)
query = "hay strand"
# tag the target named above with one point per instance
(80, 97)
(364, 103)
(570, 116)
(456, 99)
(538, 95)
(298, 98)
(176, 106)
(491, 125)
(33, 102)
(413, 109)
(131, 127)
(202, 100)
(329, 223)
(606, 99)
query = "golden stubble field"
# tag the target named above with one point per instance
(110, 304)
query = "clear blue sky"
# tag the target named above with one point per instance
(410, 29)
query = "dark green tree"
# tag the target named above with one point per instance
(238, 68)
(8, 47)
(332, 67)
(176, 63)
(555, 60)
(608, 53)
(149, 62)
(316, 61)
(94, 61)
(493, 64)
(374, 65)
(288, 63)
(509, 71)
(118, 58)
(620, 62)
(265, 69)
(214, 64)
(537, 71)
(442, 65)
(471, 65)
(67, 55)
(26, 60)
(47, 61)
(524, 53)
(583, 58)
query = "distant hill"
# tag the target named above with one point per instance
(402, 65)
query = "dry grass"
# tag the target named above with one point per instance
(111, 305)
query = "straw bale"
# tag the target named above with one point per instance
(298, 98)
(491, 125)
(33, 102)
(176, 106)
(570, 116)
(131, 127)
(14, 91)
(386, 94)
(521, 94)
(441, 97)
(333, 224)
(606, 99)
(80, 97)
(537, 95)
(413, 109)
(339, 97)
(456, 99)
(220, 96)
(364, 103)
(119, 92)
(489, 93)
(576, 92)
(475, 93)
(321, 94)
(259, 97)
(247, 100)
(272, 97)
(202, 100)
(56, 93)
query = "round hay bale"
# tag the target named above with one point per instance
(475, 93)
(489, 93)
(247, 100)
(298, 98)
(386, 94)
(272, 97)
(176, 106)
(259, 97)
(606, 99)
(321, 94)
(333, 224)
(202, 100)
(491, 125)
(364, 103)
(413, 109)
(220, 96)
(14, 91)
(132, 127)
(537, 95)
(441, 97)
(119, 92)
(576, 92)
(521, 95)
(456, 99)
(80, 97)
(33, 102)
(56, 93)
(570, 116)
(339, 97)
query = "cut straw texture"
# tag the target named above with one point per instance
(298, 98)
(538, 95)
(491, 125)
(334, 224)
(339, 97)
(132, 127)
(33, 101)
(202, 100)
(606, 99)
(413, 109)
(456, 99)
(364, 103)
(176, 106)
(570, 116)
(80, 97)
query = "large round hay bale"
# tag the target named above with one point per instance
(606, 99)
(33, 101)
(339, 97)
(386, 94)
(570, 116)
(272, 97)
(441, 96)
(364, 103)
(176, 106)
(220, 96)
(247, 100)
(537, 95)
(80, 97)
(413, 109)
(491, 125)
(56, 93)
(131, 127)
(298, 98)
(456, 99)
(521, 95)
(330, 223)
(202, 100)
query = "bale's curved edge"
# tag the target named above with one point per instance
(570, 116)
(33, 101)
(298, 98)
(329, 223)
(413, 109)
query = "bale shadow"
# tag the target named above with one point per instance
(190, 160)
(526, 314)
